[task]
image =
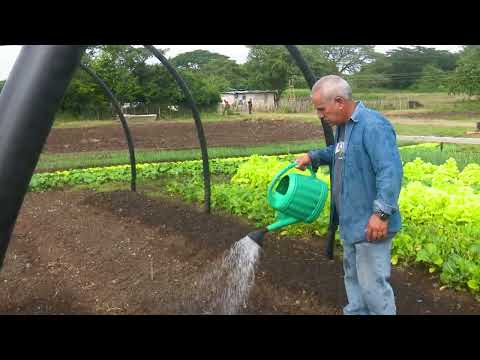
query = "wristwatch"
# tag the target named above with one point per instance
(383, 216)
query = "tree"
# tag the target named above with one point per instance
(196, 59)
(228, 73)
(215, 66)
(84, 96)
(205, 90)
(133, 80)
(466, 78)
(269, 67)
(160, 88)
(348, 58)
(318, 63)
(120, 66)
(407, 64)
(403, 67)
(432, 79)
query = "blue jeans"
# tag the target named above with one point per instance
(366, 269)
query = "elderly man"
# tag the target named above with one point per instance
(367, 176)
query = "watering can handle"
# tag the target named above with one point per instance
(282, 172)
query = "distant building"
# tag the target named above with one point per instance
(263, 100)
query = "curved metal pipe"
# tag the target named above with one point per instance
(28, 103)
(196, 116)
(126, 129)
(311, 79)
(329, 139)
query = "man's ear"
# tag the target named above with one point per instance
(340, 101)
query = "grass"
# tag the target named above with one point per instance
(52, 162)
(205, 117)
(432, 101)
(460, 106)
(428, 130)
(83, 123)
(455, 106)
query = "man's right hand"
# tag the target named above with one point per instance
(302, 162)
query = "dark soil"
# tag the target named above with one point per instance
(125, 253)
(181, 135)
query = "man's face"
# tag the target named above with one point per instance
(332, 111)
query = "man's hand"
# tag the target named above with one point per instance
(376, 228)
(302, 162)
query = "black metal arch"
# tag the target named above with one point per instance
(327, 130)
(196, 115)
(28, 103)
(126, 129)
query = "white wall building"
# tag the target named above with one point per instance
(262, 100)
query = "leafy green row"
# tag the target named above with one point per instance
(122, 173)
(440, 212)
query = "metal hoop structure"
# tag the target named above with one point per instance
(196, 116)
(126, 129)
(28, 103)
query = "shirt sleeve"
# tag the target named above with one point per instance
(322, 156)
(381, 146)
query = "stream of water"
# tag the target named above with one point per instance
(224, 288)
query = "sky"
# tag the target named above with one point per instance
(239, 53)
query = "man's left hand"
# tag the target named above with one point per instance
(376, 228)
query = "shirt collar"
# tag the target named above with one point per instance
(356, 113)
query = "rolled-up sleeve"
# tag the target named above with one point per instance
(322, 156)
(381, 146)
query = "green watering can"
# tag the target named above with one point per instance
(296, 198)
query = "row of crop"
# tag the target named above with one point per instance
(440, 205)
(440, 212)
(437, 154)
(122, 173)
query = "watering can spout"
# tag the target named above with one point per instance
(258, 236)
(282, 220)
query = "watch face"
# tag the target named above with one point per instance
(382, 215)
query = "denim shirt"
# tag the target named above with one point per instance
(372, 173)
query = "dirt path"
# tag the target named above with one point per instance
(183, 135)
(124, 253)
(440, 139)
(434, 114)
(434, 122)
(176, 135)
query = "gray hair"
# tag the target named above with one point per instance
(332, 86)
